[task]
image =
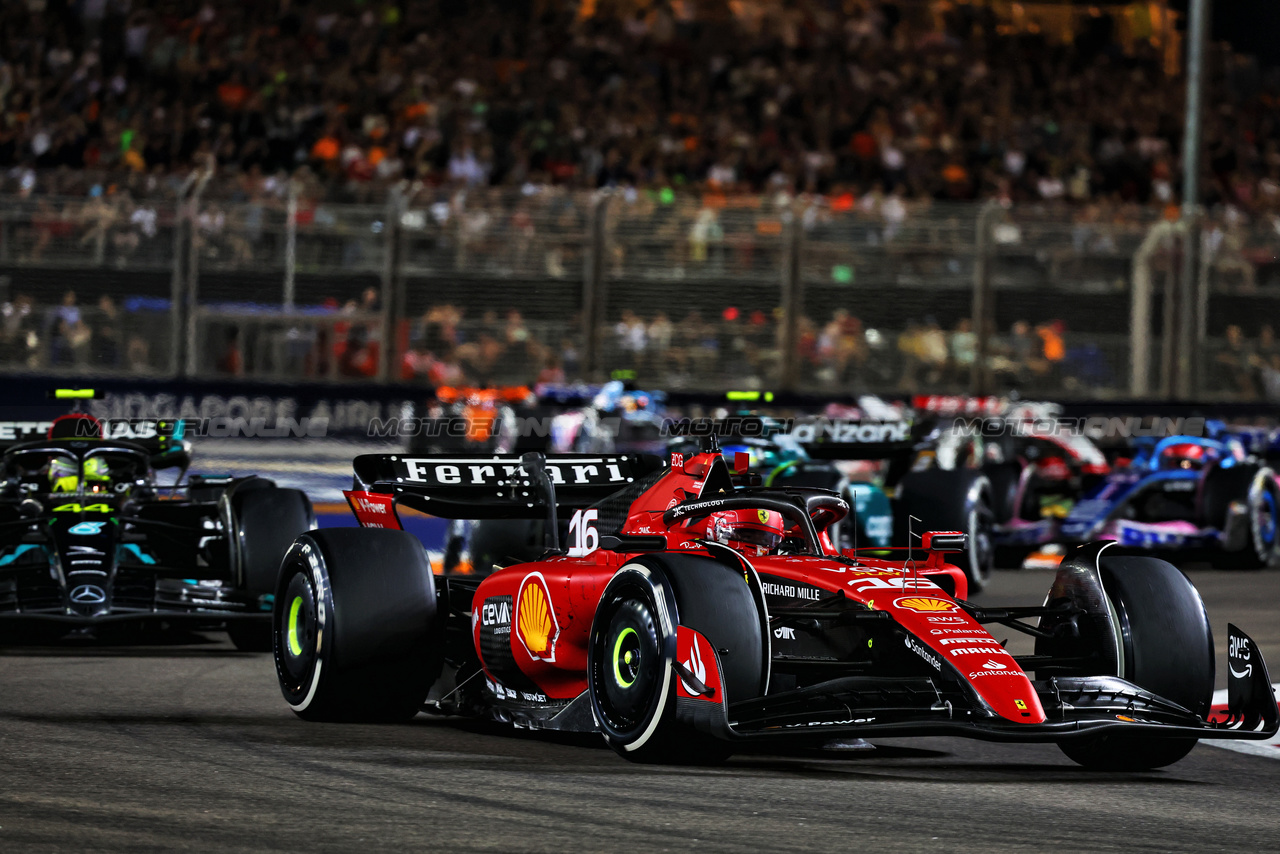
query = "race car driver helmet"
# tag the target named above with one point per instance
(754, 532)
(97, 474)
(1185, 455)
(64, 475)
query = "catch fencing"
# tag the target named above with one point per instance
(668, 288)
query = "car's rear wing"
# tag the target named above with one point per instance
(163, 440)
(22, 431)
(497, 486)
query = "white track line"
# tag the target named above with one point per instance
(1269, 748)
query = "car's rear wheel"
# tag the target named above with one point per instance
(631, 678)
(354, 627)
(951, 500)
(265, 522)
(1005, 479)
(1255, 487)
(1166, 648)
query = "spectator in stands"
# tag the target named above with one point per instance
(440, 329)
(932, 350)
(552, 372)
(569, 359)
(1018, 357)
(1267, 345)
(516, 334)
(137, 356)
(106, 334)
(230, 361)
(67, 333)
(964, 351)
(841, 347)
(19, 340)
(1234, 363)
(631, 338)
(660, 335)
(910, 350)
(1053, 349)
(1269, 377)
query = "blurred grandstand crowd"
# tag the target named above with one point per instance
(873, 110)
(838, 354)
(809, 94)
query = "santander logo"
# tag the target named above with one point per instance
(991, 667)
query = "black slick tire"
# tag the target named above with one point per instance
(951, 500)
(1166, 648)
(265, 522)
(631, 678)
(355, 630)
(1255, 486)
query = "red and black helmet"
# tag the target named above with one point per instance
(751, 530)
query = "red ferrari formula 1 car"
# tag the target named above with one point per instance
(692, 610)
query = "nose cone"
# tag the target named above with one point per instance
(85, 544)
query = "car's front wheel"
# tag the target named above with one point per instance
(1166, 647)
(264, 524)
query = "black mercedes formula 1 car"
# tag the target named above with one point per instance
(88, 538)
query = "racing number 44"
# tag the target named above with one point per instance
(583, 534)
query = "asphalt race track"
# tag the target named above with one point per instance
(187, 745)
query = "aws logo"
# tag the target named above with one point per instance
(925, 604)
(536, 623)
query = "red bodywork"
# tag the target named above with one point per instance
(549, 604)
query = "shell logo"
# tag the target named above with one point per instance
(925, 604)
(536, 623)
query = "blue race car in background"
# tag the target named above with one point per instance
(1187, 492)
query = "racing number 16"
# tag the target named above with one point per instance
(583, 534)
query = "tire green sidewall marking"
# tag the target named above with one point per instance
(294, 607)
(617, 657)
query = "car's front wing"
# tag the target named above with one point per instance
(1076, 707)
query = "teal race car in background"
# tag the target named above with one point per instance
(90, 541)
(885, 470)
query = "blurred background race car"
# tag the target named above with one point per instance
(1187, 492)
(89, 540)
